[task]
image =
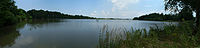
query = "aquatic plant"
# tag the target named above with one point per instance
(171, 36)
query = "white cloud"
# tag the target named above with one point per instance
(23, 42)
(94, 13)
(120, 9)
(124, 9)
(104, 13)
(120, 4)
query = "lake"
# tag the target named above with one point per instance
(65, 33)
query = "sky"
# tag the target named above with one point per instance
(96, 8)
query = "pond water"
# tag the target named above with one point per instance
(66, 33)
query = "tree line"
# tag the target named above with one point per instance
(11, 14)
(184, 8)
(184, 14)
(41, 14)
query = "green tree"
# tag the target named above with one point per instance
(159, 17)
(41, 14)
(186, 14)
(7, 16)
(22, 15)
(177, 5)
(10, 14)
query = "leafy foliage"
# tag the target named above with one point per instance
(161, 17)
(10, 14)
(39, 14)
(176, 5)
(180, 5)
(186, 14)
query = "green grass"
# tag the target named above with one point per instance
(171, 36)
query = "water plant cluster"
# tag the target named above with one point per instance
(171, 36)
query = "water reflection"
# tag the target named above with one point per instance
(39, 23)
(64, 33)
(8, 36)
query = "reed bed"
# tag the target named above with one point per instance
(171, 36)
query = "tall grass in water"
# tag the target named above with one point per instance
(171, 36)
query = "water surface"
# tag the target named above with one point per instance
(67, 33)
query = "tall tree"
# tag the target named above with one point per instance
(178, 5)
(7, 15)
(10, 14)
(186, 14)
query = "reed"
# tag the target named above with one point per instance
(171, 36)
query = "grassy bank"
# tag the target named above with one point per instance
(170, 36)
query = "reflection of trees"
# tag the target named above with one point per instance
(43, 21)
(39, 23)
(8, 36)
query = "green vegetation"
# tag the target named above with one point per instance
(41, 14)
(184, 35)
(185, 14)
(8, 37)
(10, 14)
(171, 36)
(180, 5)
(158, 17)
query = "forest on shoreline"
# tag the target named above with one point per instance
(184, 14)
(10, 14)
(41, 14)
(184, 35)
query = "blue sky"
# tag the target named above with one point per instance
(96, 8)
